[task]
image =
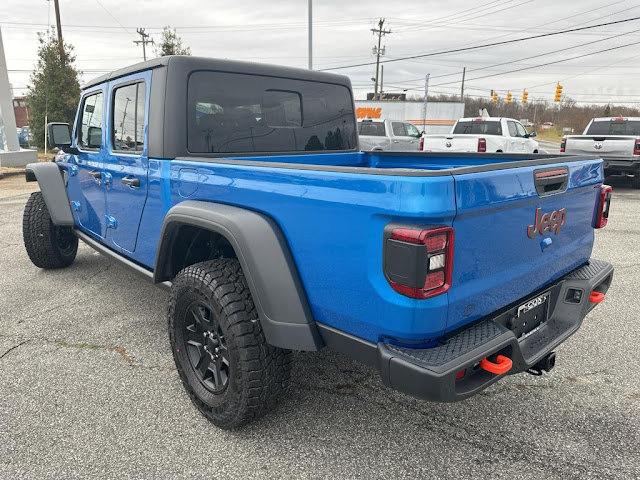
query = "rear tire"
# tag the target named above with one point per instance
(48, 245)
(635, 181)
(231, 373)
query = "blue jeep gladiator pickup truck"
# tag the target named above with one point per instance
(241, 188)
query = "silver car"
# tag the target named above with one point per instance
(392, 135)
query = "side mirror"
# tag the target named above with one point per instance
(59, 135)
(94, 137)
(532, 134)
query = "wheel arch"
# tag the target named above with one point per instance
(54, 191)
(262, 250)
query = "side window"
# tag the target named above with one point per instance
(521, 131)
(513, 131)
(90, 130)
(127, 118)
(412, 131)
(398, 129)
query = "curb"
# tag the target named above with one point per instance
(11, 173)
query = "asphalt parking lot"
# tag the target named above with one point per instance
(88, 388)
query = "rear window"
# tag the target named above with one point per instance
(373, 129)
(478, 128)
(612, 127)
(239, 113)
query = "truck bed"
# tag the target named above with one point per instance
(333, 209)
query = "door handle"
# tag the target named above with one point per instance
(131, 181)
(396, 141)
(97, 176)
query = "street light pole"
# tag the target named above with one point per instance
(310, 35)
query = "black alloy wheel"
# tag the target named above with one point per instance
(206, 347)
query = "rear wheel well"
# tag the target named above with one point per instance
(192, 244)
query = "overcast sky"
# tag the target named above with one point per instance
(275, 31)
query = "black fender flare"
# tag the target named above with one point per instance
(54, 191)
(262, 250)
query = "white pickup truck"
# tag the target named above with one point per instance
(483, 134)
(615, 139)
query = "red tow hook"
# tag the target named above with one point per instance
(596, 297)
(502, 366)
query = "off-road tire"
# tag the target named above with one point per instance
(258, 373)
(48, 245)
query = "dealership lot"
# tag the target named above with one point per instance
(88, 387)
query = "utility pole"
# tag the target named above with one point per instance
(380, 32)
(310, 35)
(59, 29)
(464, 70)
(381, 81)
(144, 36)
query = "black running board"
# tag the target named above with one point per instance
(130, 265)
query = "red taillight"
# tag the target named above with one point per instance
(421, 143)
(636, 148)
(418, 263)
(602, 208)
(619, 119)
(563, 144)
(482, 145)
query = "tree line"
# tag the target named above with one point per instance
(564, 114)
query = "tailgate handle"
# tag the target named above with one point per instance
(551, 180)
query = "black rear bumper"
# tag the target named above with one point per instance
(621, 165)
(430, 373)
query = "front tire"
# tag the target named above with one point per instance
(48, 245)
(232, 375)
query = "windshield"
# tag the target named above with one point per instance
(478, 128)
(613, 127)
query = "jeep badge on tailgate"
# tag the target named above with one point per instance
(548, 222)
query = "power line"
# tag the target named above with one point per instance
(459, 14)
(491, 11)
(548, 63)
(555, 21)
(463, 49)
(114, 17)
(534, 56)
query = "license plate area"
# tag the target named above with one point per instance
(529, 316)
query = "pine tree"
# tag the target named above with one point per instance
(607, 110)
(54, 88)
(171, 44)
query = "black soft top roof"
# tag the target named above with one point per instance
(204, 63)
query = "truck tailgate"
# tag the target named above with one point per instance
(611, 145)
(499, 256)
(450, 143)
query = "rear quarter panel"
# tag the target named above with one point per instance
(334, 225)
